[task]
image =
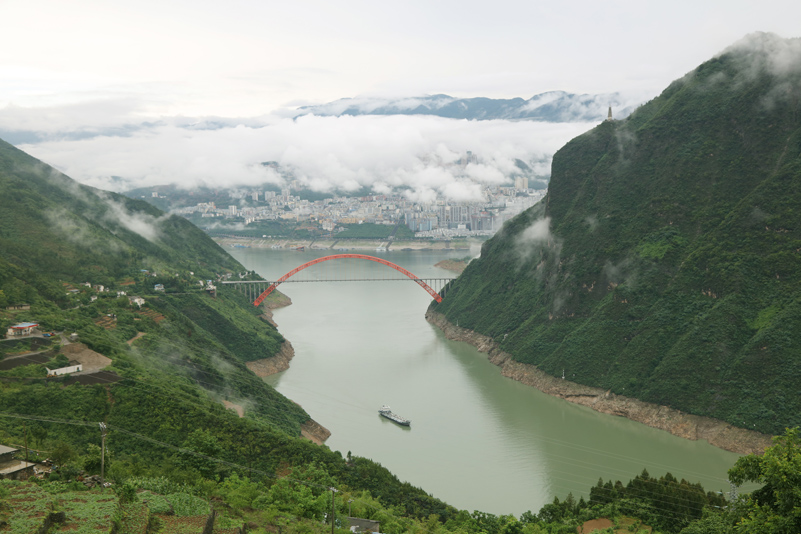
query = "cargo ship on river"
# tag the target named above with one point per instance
(387, 412)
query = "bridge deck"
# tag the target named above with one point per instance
(404, 279)
(248, 286)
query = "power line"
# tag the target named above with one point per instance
(234, 465)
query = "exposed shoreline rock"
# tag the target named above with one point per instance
(314, 431)
(273, 364)
(693, 427)
(280, 361)
(274, 301)
(311, 429)
(456, 266)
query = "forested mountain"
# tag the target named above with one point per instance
(665, 262)
(174, 452)
(553, 106)
(172, 361)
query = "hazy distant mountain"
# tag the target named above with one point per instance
(553, 106)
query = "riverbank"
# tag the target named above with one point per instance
(311, 429)
(344, 245)
(273, 364)
(280, 361)
(455, 266)
(692, 427)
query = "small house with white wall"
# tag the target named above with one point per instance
(73, 367)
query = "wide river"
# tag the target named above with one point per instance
(478, 441)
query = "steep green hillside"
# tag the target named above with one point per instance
(665, 262)
(54, 225)
(56, 235)
(174, 360)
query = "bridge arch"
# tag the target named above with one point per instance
(382, 261)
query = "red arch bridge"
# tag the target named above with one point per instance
(257, 290)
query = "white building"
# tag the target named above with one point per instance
(74, 367)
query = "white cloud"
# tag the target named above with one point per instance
(537, 232)
(537, 242)
(324, 153)
(141, 223)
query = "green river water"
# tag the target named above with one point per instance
(477, 440)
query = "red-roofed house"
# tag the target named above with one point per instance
(21, 329)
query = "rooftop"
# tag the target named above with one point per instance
(13, 467)
(6, 450)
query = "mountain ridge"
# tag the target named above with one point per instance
(663, 262)
(551, 106)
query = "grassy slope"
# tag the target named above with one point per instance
(672, 269)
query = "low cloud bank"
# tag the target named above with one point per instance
(426, 156)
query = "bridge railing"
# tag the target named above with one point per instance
(253, 288)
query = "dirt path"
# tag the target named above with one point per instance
(92, 361)
(137, 336)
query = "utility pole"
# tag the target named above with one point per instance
(102, 455)
(333, 491)
(25, 431)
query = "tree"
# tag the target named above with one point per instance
(62, 453)
(207, 448)
(775, 508)
(239, 492)
(712, 522)
(91, 462)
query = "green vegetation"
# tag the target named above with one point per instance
(664, 263)
(172, 196)
(236, 226)
(177, 356)
(776, 507)
(299, 501)
(374, 231)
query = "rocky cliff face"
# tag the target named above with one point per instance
(717, 433)
(314, 431)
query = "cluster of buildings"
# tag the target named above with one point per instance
(439, 218)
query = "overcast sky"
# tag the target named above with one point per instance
(248, 57)
(108, 63)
